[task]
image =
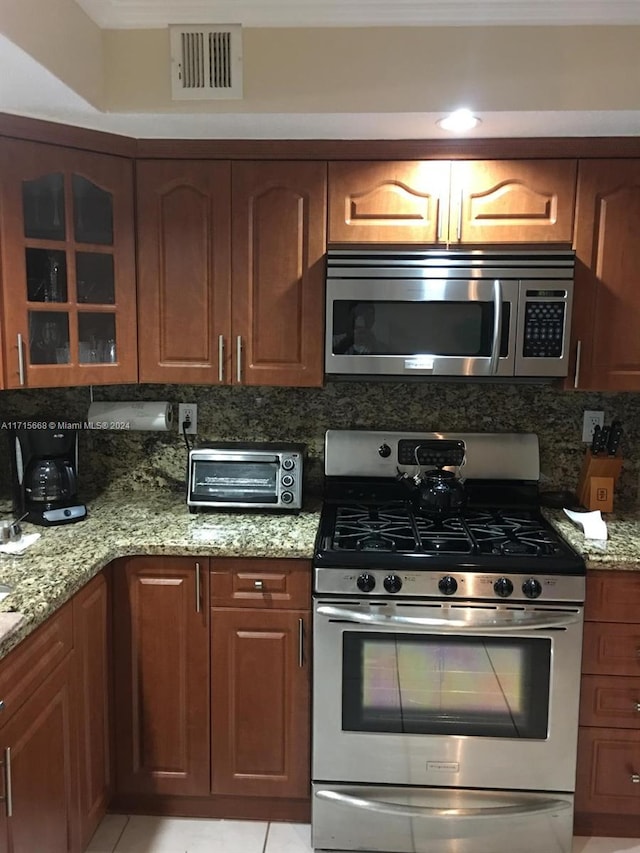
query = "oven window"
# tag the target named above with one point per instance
(477, 686)
(244, 482)
(443, 328)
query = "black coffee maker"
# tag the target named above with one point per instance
(44, 467)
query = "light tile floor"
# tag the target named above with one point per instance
(141, 834)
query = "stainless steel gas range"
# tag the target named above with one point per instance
(447, 646)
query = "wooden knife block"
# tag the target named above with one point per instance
(597, 479)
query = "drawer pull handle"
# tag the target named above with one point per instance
(635, 778)
(258, 584)
(637, 706)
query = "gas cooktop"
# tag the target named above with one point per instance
(374, 538)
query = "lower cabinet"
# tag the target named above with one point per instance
(608, 772)
(161, 676)
(260, 684)
(38, 742)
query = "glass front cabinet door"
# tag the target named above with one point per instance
(68, 267)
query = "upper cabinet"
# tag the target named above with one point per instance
(433, 202)
(607, 279)
(231, 271)
(68, 266)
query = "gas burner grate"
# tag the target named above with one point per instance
(386, 527)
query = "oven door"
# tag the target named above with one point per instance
(446, 695)
(414, 327)
(222, 479)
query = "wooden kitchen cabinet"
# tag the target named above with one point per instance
(606, 313)
(471, 202)
(260, 687)
(38, 725)
(608, 769)
(68, 266)
(231, 274)
(92, 643)
(161, 676)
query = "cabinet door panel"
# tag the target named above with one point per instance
(608, 763)
(607, 295)
(512, 201)
(67, 247)
(612, 597)
(611, 649)
(392, 202)
(610, 701)
(91, 618)
(183, 270)
(278, 240)
(41, 737)
(161, 676)
(260, 703)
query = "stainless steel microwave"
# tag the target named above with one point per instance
(245, 475)
(448, 313)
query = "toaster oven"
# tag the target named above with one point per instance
(245, 475)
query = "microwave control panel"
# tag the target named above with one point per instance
(544, 323)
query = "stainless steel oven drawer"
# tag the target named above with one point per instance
(431, 820)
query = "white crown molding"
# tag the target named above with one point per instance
(153, 14)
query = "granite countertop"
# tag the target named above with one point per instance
(121, 524)
(65, 557)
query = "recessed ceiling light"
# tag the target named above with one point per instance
(459, 120)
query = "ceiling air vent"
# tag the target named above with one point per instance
(206, 62)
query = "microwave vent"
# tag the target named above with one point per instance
(206, 62)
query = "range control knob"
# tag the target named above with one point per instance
(288, 463)
(392, 583)
(366, 582)
(447, 585)
(385, 451)
(532, 588)
(286, 497)
(503, 587)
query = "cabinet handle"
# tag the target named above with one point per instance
(220, 358)
(637, 706)
(8, 798)
(239, 358)
(576, 375)
(20, 360)
(300, 643)
(198, 596)
(258, 585)
(439, 221)
(459, 226)
(635, 778)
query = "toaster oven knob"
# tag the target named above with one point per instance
(385, 451)
(503, 587)
(286, 497)
(366, 582)
(287, 480)
(392, 583)
(288, 464)
(532, 588)
(447, 585)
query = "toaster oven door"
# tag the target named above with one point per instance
(235, 480)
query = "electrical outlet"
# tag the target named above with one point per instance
(188, 412)
(589, 421)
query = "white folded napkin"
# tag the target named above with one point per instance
(20, 545)
(593, 524)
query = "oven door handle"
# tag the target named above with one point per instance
(384, 807)
(499, 623)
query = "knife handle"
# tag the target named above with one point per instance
(595, 440)
(604, 438)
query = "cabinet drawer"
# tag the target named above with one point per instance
(613, 597)
(279, 584)
(611, 701)
(27, 666)
(608, 764)
(610, 649)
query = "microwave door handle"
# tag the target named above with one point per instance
(497, 327)
(443, 625)
(402, 810)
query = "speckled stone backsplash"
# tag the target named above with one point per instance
(138, 460)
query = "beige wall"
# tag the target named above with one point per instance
(395, 70)
(60, 36)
